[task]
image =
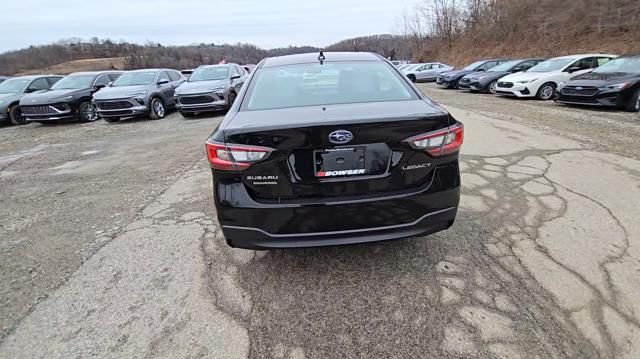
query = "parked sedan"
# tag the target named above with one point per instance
(427, 72)
(542, 80)
(451, 79)
(487, 81)
(67, 99)
(614, 84)
(14, 89)
(148, 92)
(358, 155)
(209, 88)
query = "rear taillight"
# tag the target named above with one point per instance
(441, 142)
(234, 157)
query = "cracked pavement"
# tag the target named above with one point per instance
(110, 248)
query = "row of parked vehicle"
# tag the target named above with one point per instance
(585, 79)
(114, 95)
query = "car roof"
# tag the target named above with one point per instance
(150, 70)
(33, 77)
(582, 55)
(94, 73)
(313, 57)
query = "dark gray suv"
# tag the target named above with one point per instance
(209, 88)
(14, 89)
(148, 92)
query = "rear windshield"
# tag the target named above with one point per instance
(135, 79)
(327, 84)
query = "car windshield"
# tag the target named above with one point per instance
(330, 83)
(74, 82)
(474, 65)
(135, 78)
(620, 65)
(209, 74)
(14, 85)
(505, 66)
(551, 65)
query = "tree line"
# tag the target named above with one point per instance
(180, 57)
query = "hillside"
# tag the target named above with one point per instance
(109, 63)
(466, 31)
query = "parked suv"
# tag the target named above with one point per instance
(427, 72)
(14, 89)
(211, 87)
(614, 84)
(67, 99)
(487, 81)
(450, 79)
(148, 92)
(542, 80)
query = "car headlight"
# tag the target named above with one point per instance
(63, 98)
(139, 93)
(619, 86)
(526, 81)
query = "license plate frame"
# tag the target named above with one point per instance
(340, 162)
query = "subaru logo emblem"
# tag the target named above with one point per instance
(340, 137)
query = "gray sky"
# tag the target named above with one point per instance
(266, 23)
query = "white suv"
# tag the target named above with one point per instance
(542, 80)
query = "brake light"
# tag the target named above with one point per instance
(234, 157)
(441, 142)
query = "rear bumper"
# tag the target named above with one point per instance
(247, 223)
(255, 238)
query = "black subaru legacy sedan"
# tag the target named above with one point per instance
(333, 148)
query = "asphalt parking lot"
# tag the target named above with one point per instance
(109, 248)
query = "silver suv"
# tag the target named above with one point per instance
(210, 88)
(147, 92)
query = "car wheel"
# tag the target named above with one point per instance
(111, 119)
(232, 98)
(87, 112)
(546, 91)
(157, 109)
(456, 84)
(412, 78)
(15, 115)
(634, 103)
(491, 88)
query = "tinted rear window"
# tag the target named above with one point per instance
(327, 84)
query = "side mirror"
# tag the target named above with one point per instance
(30, 90)
(100, 86)
(233, 77)
(482, 70)
(110, 83)
(574, 69)
(163, 82)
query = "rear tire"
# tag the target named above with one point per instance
(491, 87)
(157, 111)
(111, 119)
(546, 91)
(412, 78)
(87, 112)
(634, 103)
(15, 116)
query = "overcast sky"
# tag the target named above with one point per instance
(266, 23)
